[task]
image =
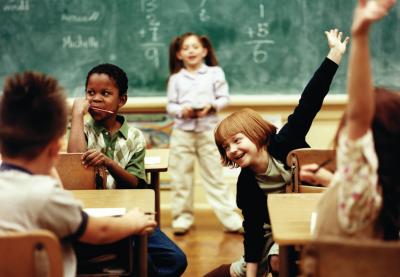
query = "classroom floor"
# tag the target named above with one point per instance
(206, 245)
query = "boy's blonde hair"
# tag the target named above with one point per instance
(247, 122)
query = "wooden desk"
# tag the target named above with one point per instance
(156, 161)
(126, 198)
(290, 216)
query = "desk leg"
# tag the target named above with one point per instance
(155, 182)
(141, 257)
(287, 261)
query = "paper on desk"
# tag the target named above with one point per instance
(99, 212)
(152, 160)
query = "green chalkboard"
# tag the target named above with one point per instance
(264, 47)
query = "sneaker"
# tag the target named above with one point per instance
(180, 231)
(238, 231)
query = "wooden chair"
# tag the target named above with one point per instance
(298, 157)
(347, 258)
(74, 175)
(33, 253)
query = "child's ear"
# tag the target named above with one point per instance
(179, 56)
(122, 100)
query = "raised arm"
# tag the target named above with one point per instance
(293, 133)
(360, 83)
(77, 141)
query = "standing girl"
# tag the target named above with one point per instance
(246, 140)
(197, 89)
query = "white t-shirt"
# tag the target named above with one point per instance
(32, 202)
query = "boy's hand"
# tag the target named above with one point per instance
(336, 45)
(141, 223)
(311, 174)
(80, 106)
(368, 12)
(93, 157)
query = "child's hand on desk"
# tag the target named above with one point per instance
(141, 223)
(93, 157)
(312, 174)
(80, 106)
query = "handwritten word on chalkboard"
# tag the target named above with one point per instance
(264, 46)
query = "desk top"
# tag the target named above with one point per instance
(156, 160)
(290, 215)
(117, 198)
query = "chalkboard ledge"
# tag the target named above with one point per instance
(157, 104)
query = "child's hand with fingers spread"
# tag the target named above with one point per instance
(336, 45)
(312, 174)
(335, 40)
(368, 11)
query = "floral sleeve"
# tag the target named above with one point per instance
(359, 199)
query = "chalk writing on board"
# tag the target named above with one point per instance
(203, 15)
(79, 42)
(258, 38)
(17, 6)
(94, 16)
(151, 46)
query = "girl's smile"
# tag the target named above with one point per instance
(242, 151)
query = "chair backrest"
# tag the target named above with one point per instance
(32, 253)
(74, 175)
(344, 257)
(298, 157)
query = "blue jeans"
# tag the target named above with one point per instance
(165, 258)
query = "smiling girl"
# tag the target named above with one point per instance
(197, 89)
(246, 140)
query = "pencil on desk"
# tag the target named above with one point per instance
(324, 163)
(150, 213)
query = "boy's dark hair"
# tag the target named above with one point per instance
(176, 44)
(386, 132)
(115, 73)
(247, 122)
(33, 112)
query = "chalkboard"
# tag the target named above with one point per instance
(264, 47)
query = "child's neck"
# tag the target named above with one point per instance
(193, 68)
(111, 124)
(261, 164)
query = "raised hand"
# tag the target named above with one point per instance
(336, 45)
(367, 12)
(335, 40)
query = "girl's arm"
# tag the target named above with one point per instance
(174, 108)
(360, 84)
(77, 141)
(221, 90)
(102, 230)
(293, 134)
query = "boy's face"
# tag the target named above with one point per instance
(102, 93)
(241, 150)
